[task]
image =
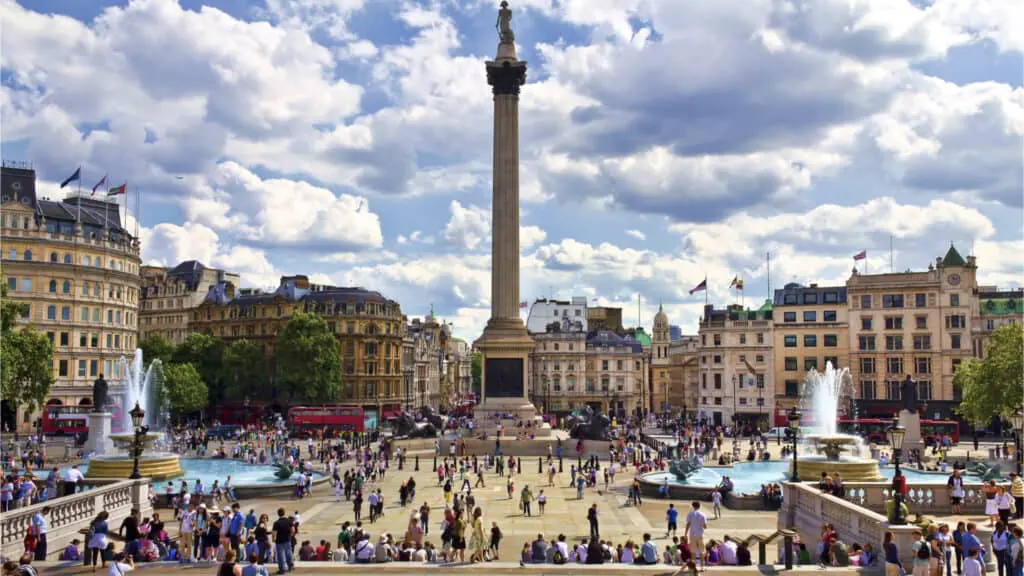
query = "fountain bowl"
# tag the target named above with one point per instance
(832, 457)
(153, 464)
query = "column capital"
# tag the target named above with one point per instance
(506, 76)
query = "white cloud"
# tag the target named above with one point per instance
(168, 244)
(468, 227)
(530, 236)
(637, 234)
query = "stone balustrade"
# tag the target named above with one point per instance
(69, 515)
(929, 499)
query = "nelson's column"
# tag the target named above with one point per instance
(505, 343)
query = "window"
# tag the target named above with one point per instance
(894, 343)
(811, 298)
(743, 338)
(954, 299)
(923, 342)
(86, 260)
(828, 316)
(760, 380)
(810, 340)
(924, 390)
(920, 300)
(792, 388)
(892, 301)
(717, 339)
(110, 341)
(923, 365)
(956, 321)
(65, 287)
(958, 392)
(867, 389)
(789, 316)
(810, 316)
(53, 257)
(12, 284)
(830, 297)
(791, 363)
(67, 258)
(28, 255)
(759, 358)
(83, 339)
(26, 284)
(810, 364)
(789, 340)
(865, 322)
(790, 299)
(894, 365)
(867, 343)
(65, 313)
(865, 301)
(718, 381)
(760, 337)
(921, 322)
(867, 365)
(65, 338)
(81, 368)
(53, 287)
(894, 323)
(85, 288)
(892, 389)
(954, 341)
(831, 340)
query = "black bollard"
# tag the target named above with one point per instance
(401, 459)
(540, 465)
(519, 466)
(559, 463)
(435, 463)
(417, 463)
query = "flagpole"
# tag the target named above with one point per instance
(80, 176)
(138, 211)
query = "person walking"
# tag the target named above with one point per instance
(696, 523)
(526, 498)
(595, 533)
(672, 518)
(1017, 491)
(39, 528)
(283, 531)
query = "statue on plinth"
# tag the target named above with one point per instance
(504, 24)
(908, 393)
(684, 468)
(99, 395)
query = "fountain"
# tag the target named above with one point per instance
(141, 388)
(827, 450)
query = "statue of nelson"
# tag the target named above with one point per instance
(99, 395)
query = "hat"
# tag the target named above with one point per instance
(203, 505)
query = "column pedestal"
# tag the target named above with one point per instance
(911, 421)
(99, 441)
(506, 347)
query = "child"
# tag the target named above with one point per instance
(972, 567)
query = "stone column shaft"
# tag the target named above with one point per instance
(505, 208)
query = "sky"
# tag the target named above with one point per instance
(662, 142)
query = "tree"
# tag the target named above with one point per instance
(245, 371)
(206, 353)
(994, 387)
(308, 361)
(26, 358)
(156, 347)
(184, 388)
(476, 370)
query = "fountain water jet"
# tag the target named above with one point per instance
(827, 450)
(139, 388)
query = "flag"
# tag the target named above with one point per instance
(122, 189)
(98, 184)
(860, 255)
(77, 176)
(739, 284)
(524, 304)
(735, 282)
(700, 287)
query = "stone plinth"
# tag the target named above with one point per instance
(911, 421)
(99, 441)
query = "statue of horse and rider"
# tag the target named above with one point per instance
(589, 425)
(429, 424)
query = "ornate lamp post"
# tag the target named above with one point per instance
(794, 429)
(1018, 431)
(137, 414)
(896, 434)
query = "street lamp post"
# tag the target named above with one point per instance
(794, 429)
(735, 414)
(137, 414)
(896, 434)
(1018, 430)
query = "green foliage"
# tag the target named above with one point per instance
(156, 347)
(184, 388)
(206, 353)
(994, 387)
(26, 358)
(308, 361)
(245, 371)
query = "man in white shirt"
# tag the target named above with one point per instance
(40, 527)
(728, 551)
(71, 479)
(562, 547)
(121, 567)
(696, 523)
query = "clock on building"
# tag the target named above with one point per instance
(954, 279)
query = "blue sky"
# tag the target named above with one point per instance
(662, 141)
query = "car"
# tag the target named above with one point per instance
(224, 432)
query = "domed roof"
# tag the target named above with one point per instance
(661, 319)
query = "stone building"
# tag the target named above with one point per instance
(460, 363)
(570, 315)
(368, 326)
(604, 318)
(912, 323)
(811, 328)
(76, 267)
(994, 308)
(170, 294)
(736, 366)
(660, 362)
(430, 340)
(684, 375)
(557, 371)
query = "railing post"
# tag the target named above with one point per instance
(761, 552)
(787, 540)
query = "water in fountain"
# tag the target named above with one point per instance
(141, 385)
(823, 392)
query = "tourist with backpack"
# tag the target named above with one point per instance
(922, 554)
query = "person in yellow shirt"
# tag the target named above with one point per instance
(1017, 491)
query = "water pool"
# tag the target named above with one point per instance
(207, 470)
(747, 477)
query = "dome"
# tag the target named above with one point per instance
(661, 319)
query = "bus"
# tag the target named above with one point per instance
(72, 420)
(238, 414)
(874, 429)
(339, 418)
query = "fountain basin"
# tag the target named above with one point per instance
(155, 466)
(850, 469)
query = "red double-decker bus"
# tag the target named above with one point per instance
(72, 420)
(240, 414)
(333, 418)
(874, 429)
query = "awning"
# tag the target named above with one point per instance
(391, 414)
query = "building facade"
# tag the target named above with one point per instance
(660, 376)
(736, 369)
(76, 268)
(811, 328)
(994, 308)
(604, 318)
(367, 325)
(557, 369)
(570, 315)
(170, 294)
(430, 340)
(460, 369)
(916, 324)
(684, 375)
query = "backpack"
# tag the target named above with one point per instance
(925, 551)
(557, 557)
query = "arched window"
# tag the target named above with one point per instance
(12, 254)
(53, 286)
(66, 287)
(67, 258)
(28, 255)
(53, 257)
(86, 260)
(51, 312)
(111, 263)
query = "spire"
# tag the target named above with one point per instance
(953, 258)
